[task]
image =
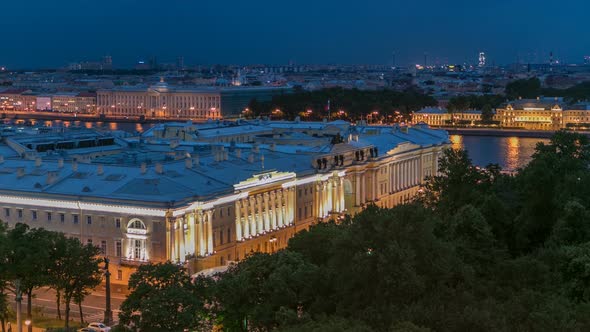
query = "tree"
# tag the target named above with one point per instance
(487, 113)
(4, 305)
(525, 88)
(76, 269)
(162, 298)
(266, 291)
(28, 260)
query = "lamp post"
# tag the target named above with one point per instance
(108, 314)
(18, 298)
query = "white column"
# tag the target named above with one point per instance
(209, 232)
(265, 198)
(342, 193)
(171, 229)
(191, 232)
(238, 221)
(182, 240)
(201, 230)
(273, 203)
(280, 208)
(246, 219)
(259, 218)
(357, 190)
(253, 230)
(329, 196)
(320, 205)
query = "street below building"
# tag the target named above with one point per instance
(93, 307)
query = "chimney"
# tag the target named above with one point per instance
(238, 153)
(188, 163)
(143, 168)
(251, 158)
(75, 166)
(99, 170)
(37, 162)
(60, 163)
(51, 177)
(159, 168)
(20, 172)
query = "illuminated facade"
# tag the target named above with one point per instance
(438, 117)
(160, 101)
(543, 114)
(74, 102)
(208, 204)
(17, 100)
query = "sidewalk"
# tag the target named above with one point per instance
(35, 329)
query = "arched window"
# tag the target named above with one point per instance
(136, 224)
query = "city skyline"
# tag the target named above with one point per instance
(49, 35)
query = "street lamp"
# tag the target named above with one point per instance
(108, 314)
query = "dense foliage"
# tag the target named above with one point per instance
(31, 258)
(347, 104)
(531, 88)
(478, 250)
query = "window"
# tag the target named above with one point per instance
(75, 218)
(228, 211)
(118, 251)
(7, 212)
(137, 249)
(118, 222)
(48, 216)
(103, 247)
(228, 235)
(34, 215)
(220, 237)
(220, 213)
(119, 275)
(62, 217)
(299, 192)
(89, 220)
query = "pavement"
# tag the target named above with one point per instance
(93, 306)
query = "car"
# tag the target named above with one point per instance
(99, 327)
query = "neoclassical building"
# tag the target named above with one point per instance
(207, 204)
(159, 101)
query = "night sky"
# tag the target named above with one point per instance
(43, 33)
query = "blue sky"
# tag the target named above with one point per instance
(41, 33)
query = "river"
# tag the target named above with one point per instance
(510, 153)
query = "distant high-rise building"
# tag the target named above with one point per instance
(107, 62)
(180, 62)
(482, 59)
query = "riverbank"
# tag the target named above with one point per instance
(23, 116)
(501, 132)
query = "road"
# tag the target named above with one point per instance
(93, 306)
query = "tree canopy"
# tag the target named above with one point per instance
(478, 250)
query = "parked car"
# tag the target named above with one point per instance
(99, 327)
